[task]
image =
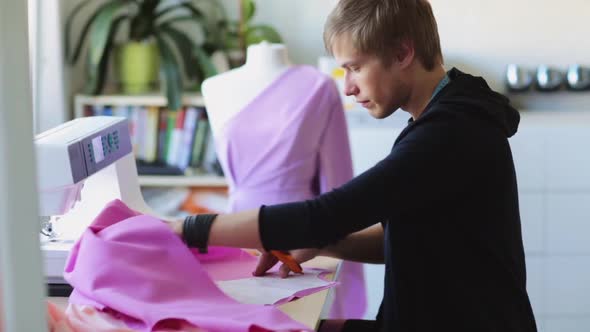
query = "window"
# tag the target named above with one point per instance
(47, 79)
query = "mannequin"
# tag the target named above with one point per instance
(264, 64)
(281, 136)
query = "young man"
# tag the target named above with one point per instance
(441, 210)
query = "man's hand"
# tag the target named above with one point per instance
(175, 226)
(267, 261)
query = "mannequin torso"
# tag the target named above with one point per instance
(303, 153)
(228, 93)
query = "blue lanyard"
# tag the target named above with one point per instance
(445, 80)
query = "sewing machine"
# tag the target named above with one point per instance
(81, 165)
(84, 164)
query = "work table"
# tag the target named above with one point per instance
(307, 310)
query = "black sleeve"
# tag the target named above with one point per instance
(420, 169)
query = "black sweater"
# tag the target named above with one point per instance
(447, 198)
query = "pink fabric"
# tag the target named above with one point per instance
(290, 143)
(133, 265)
(88, 319)
(223, 263)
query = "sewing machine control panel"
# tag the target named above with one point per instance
(109, 144)
(102, 146)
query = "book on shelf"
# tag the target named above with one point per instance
(188, 134)
(200, 140)
(166, 142)
(176, 138)
(142, 133)
(162, 136)
(151, 134)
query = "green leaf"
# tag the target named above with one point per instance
(248, 10)
(233, 26)
(73, 57)
(232, 35)
(167, 10)
(184, 18)
(69, 21)
(205, 62)
(97, 75)
(232, 41)
(192, 9)
(258, 33)
(212, 9)
(148, 7)
(197, 62)
(199, 22)
(171, 74)
(216, 17)
(142, 23)
(185, 47)
(100, 32)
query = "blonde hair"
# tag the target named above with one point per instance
(379, 27)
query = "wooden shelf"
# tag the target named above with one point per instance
(131, 100)
(182, 181)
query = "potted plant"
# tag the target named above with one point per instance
(154, 36)
(241, 33)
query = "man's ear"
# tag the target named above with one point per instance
(405, 55)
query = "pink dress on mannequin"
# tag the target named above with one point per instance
(290, 143)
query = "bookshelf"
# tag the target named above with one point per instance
(182, 181)
(191, 178)
(135, 100)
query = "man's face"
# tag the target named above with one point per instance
(376, 87)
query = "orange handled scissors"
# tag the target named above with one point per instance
(286, 258)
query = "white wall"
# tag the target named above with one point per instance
(483, 36)
(300, 22)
